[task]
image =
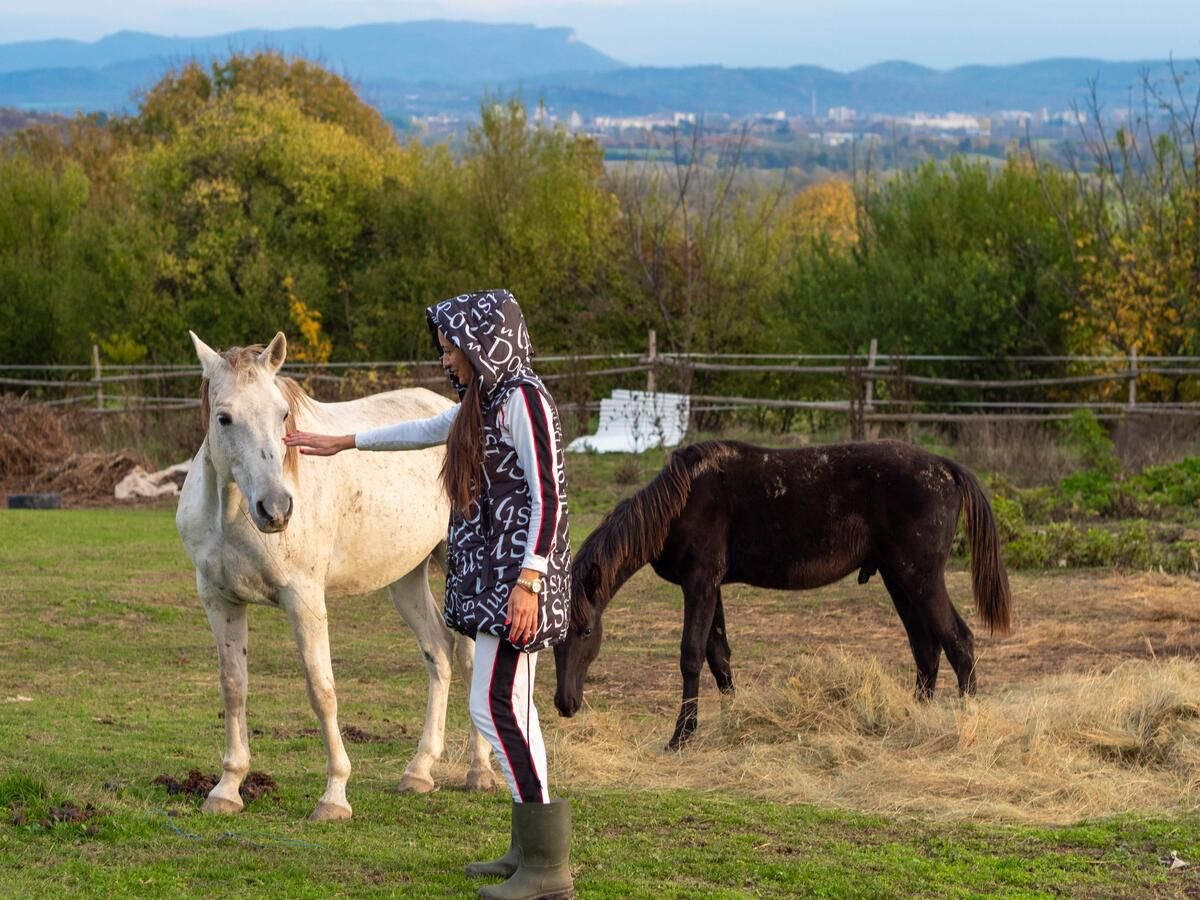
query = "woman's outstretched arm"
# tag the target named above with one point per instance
(416, 434)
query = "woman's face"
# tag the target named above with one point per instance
(454, 360)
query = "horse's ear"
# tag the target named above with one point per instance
(275, 353)
(209, 358)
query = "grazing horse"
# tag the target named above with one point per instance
(724, 512)
(263, 526)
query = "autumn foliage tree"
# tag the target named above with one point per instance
(1135, 234)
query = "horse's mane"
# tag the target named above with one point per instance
(242, 361)
(634, 531)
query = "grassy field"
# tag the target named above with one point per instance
(108, 680)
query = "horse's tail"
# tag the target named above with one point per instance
(635, 530)
(989, 579)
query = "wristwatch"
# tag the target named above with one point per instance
(536, 586)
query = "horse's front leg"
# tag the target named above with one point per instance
(310, 625)
(700, 603)
(228, 622)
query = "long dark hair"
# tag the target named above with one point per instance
(464, 452)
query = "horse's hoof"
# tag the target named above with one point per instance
(411, 784)
(484, 780)
(330, 812)
(219, 806)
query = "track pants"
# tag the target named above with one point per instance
(502, 709)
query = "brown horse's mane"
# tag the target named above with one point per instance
(242, 361)
(634, 531)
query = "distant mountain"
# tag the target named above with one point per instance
(47, 73)
(418, 68)
(67, 90)
(887, 88)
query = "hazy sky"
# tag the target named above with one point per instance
(840, 35)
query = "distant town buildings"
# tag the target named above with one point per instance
(782, 138)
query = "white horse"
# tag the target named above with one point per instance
(265, 525)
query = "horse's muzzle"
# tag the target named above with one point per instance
(567, 707)
(274, 515)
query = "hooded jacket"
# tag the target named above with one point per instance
(487, 546)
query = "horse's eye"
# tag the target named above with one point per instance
(587, 632)
(286, 414)
(224, 419)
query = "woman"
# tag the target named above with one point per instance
(508, 558)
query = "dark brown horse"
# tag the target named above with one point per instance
(723, 512)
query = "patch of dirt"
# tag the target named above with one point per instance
(200, 784)
(356, 735)
(67, 813)
(351, 733)
(257, 784)
(194, 784)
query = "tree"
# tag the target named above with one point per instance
(526, 208)
(255, 201)
(950, 259)
(702, 247)
(1135, 235)
(39, 205)
(182, 96)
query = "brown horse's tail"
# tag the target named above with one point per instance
(989, 579)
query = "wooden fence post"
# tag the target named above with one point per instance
(872, 430)
(1133, 376)
(870, 388)
(96, 374)
(651, 356)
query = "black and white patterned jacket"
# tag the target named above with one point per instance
(488, 548)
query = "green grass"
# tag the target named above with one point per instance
(101, 630)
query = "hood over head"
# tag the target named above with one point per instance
(489, 328)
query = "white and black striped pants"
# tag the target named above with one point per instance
(502, 709)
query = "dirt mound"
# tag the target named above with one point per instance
(67, 813)
(257, 784)
(199, 784)
(194, 784)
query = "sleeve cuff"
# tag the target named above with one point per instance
(538, 564)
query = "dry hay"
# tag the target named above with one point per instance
(32, 437)
(40, 452)
(840, 731)
(1091, 708)
(89, 476)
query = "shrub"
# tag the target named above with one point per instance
(1090, 492)
(1177, 484)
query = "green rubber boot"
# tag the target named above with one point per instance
(505, 865)
(543, 832)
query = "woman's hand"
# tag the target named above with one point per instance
(523, 610)
(319, 444)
